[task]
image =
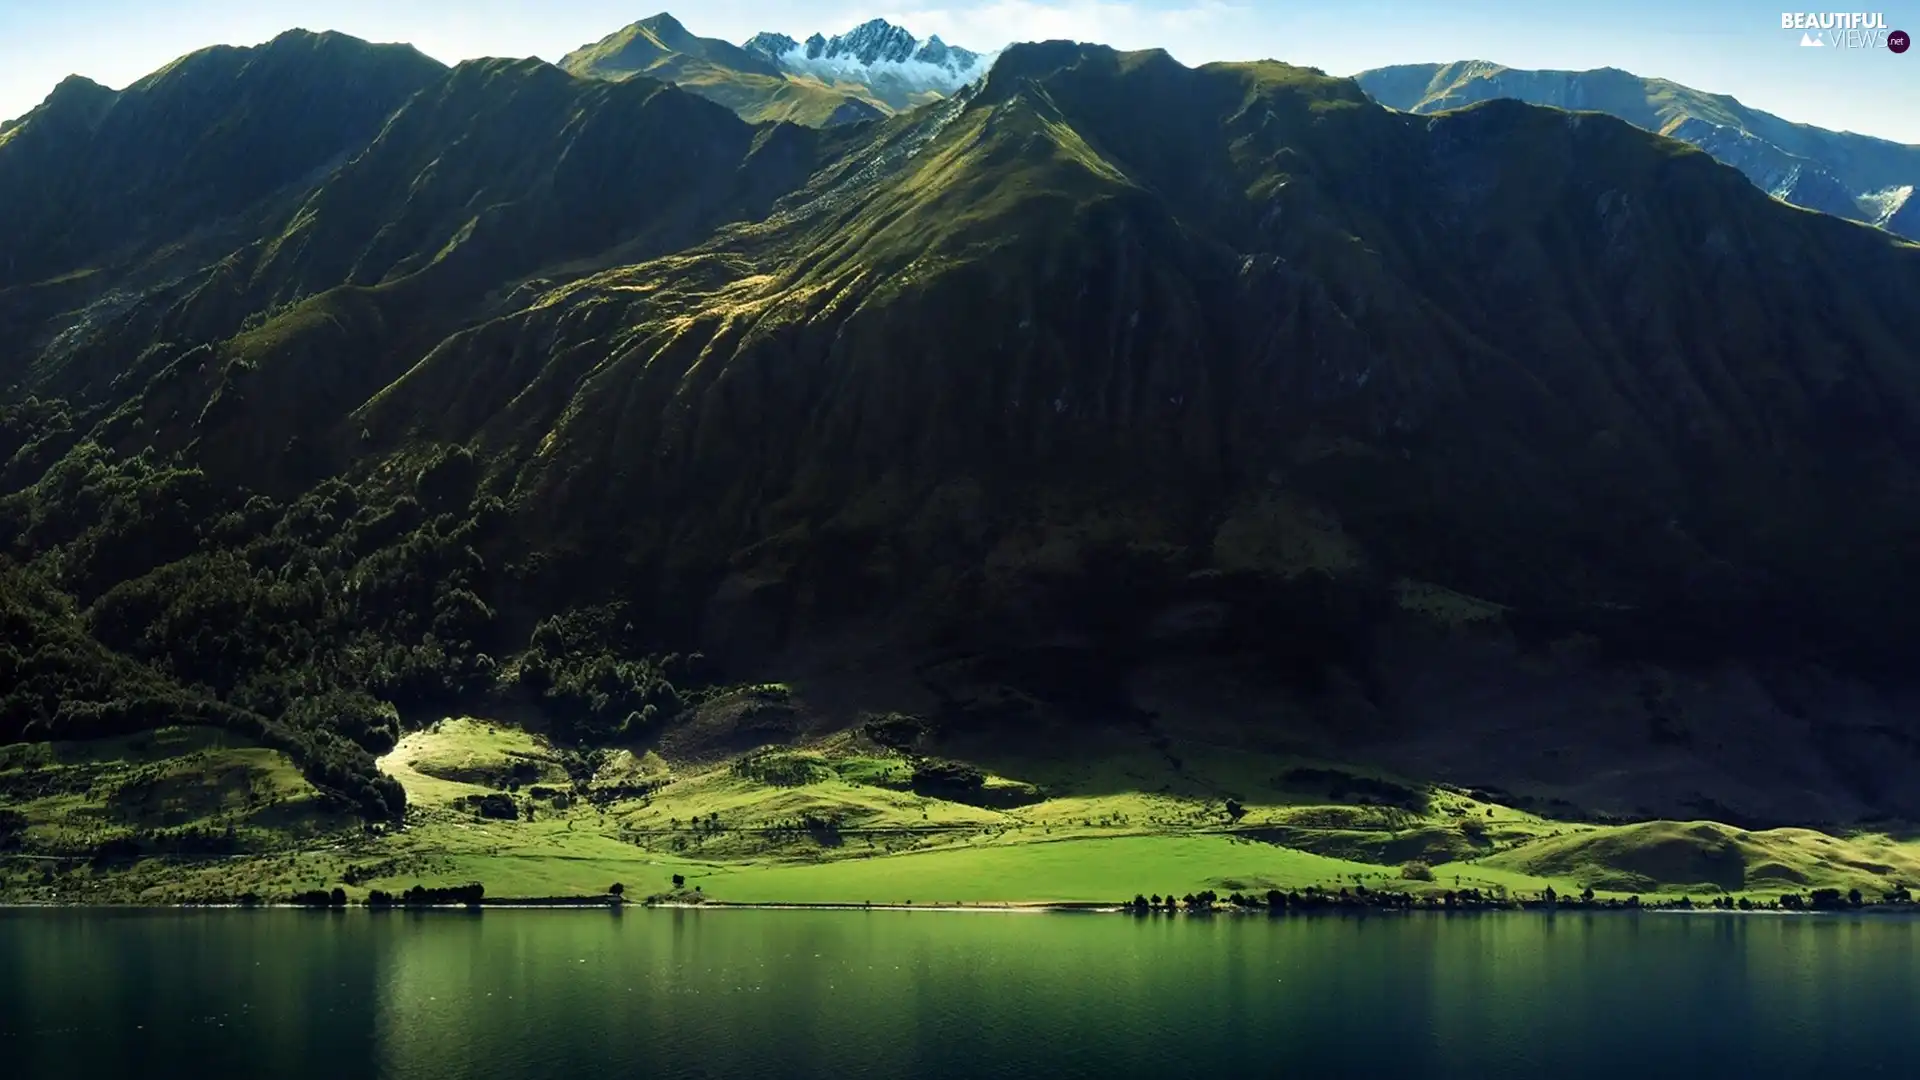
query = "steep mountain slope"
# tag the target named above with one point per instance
(238, 369)
(92, 174)
(750, 84)
(1835, 172)
(1509, 445)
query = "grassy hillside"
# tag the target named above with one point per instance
(179, 814)
(749, 84)
(1144, 432)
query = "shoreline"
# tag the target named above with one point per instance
(984, 907)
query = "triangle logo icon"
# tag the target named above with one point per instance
(1808, 41)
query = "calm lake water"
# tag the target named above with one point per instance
(587, 995)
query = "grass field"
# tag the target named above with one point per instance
(840, 822)
(1073, 870)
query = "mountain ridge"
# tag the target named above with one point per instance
(873, 70)
(297, 75)
(1100, 384)
(1842, 173)
(888, 58)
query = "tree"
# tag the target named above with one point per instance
(338, 897)
(1853, 897)
(1551, 896)
(617, 889)
(1235, 810)
(679, 881)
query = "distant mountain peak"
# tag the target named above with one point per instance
(657, 46)
(887, 57)
(871, 70)
(75, 100)
(770, 46)
(1839, 173)
(872, 42)
(76, 86)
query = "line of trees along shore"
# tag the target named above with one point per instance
(1312, 898)
(418, 896)
(1360, 897)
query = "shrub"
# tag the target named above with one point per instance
(933, 777)
(372, 724)
(895, 730)
(781, 769)
(1416, 870)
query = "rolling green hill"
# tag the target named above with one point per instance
(1108, 405)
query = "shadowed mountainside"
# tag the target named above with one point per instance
(93, 171)
(1835, 172)
(1125, 393)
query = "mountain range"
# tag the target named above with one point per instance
(1834, 172)
(873, 70)
(878, 69)
(1508, 444)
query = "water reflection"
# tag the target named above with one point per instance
(572, 994)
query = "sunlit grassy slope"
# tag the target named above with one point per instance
(839, 822)
(172, 814)
(174, 784)
(755, 88)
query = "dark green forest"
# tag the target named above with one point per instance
(139, 594)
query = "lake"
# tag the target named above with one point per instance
(670, 993)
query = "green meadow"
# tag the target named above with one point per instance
(185, 815)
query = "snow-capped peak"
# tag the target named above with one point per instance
(875, 52)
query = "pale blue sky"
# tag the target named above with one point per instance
(1726, 46)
